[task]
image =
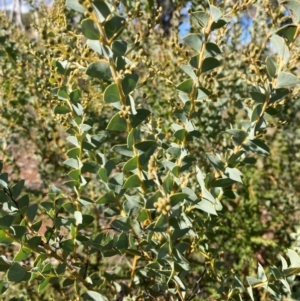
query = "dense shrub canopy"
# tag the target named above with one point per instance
(150, 151)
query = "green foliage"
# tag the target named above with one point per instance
(171, 164)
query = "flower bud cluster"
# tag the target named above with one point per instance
(124, 111)
(152, 168)
(162, 205)
(184, 180)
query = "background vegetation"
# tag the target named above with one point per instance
(139, 163)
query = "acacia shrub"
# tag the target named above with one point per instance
(161, 199)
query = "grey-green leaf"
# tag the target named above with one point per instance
(140, 116)
(215, 162)
(74, 163)
(282, 49)
(256, 146)
(238, 136)
(102, 11)
(17, 189)
(294, 6)
(90, 29)
(111, 94)
(210, 63)
(212, 49)
(132, 182)
(216, 14)
(188, 69)
(95, 45)
(286, 79)
(202, 17)
(61, 110)
(194, 40)
(186, 86)
(294, 258)
(114, 26)
(129, 83)
(119, 47)
(3, 287)
(288, 32)
(16, 272)
(237, 283)
(94, 296)
(218, 24)
(99, 70)
(206, 206)
(74, 4)
(131, 164)
(271, 67)
(202, 93)
(117, 123)
(6, 221)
